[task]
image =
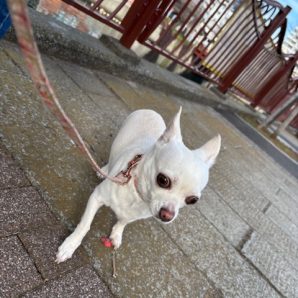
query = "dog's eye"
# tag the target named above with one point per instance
(191, 200)
(163, 181)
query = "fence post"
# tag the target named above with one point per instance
(248, 56)
(274, 79)
(287, 122)
(156, 19)
(136, 19)
(269, 120)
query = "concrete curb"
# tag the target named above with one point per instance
(108, 55)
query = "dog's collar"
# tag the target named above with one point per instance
(126, 174)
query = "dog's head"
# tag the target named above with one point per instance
(172, 175)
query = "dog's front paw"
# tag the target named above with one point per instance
(116, 240)
(66, 249)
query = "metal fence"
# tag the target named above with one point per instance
(109, 12)
(233, 43)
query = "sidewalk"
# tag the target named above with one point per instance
(239, 241)
(29, 234)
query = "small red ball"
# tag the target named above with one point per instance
(106, 241)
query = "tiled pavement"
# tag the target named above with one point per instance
(29, 236)
(239, 241)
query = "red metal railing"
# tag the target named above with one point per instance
(287, 113)
(217, 43)
(103, 11)
(284, 86)
(235, 44)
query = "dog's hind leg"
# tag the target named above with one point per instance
(72, 242)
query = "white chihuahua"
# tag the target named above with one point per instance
(163, 176)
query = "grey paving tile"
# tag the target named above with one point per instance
(258, 220)
(6, 63)
(239, 188)
(280, 240)
(223, 217)
(286, 204)
(42, 245)
(22, 208)
(80, 283)
(136, 96)
(85, 79)
(212, 254)
(148, 263)
(291, 186)
(235, 198)
(281, 220)
(10, 173)
(235, 175)
(282, 274)
(17, 270)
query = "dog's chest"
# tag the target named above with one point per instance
(127, 205)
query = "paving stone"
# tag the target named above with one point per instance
(266, 182)
(230, 194)
(85, 79)
(212, 254)
(223, 217)
(291, 186)
(241, 188)
(148, 263)
(282, 242)
(42, 245)
(17, 270)
(22, 208)
(153, 99)
(267, 170)
(286, 204)
(139, 97)
(80, 283)
(273, 265)
(6, 63)
(256, 219)
(283, 222)
(96, 120)
(239, 180)
(11, 175)
(88, 106)
(56, 165)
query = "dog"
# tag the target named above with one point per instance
(163, 175)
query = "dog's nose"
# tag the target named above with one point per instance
(166, 215)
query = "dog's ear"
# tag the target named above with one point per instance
(209, 151)
(173, 130)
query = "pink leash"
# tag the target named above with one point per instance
(24, 32)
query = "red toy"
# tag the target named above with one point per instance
(106, 241)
